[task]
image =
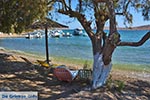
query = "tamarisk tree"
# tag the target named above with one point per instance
(16, 15)
(98, 12)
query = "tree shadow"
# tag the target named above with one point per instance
(9, 64)
(22, 76)
(142, 88)
(133, 89)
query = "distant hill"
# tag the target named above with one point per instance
(143, 27)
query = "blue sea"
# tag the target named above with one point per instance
(79, 47)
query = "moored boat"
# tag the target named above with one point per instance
(66, 34)
(36, 34)
(78, 32)
(56, 33)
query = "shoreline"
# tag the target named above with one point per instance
(122, 69)
(14, 35)
(116, 69)
(17, 74)
(79, 63)
(4, 35)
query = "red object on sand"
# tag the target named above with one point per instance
(63, 74)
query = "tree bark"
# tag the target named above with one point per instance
(102, 59)
(136, 44)
(100, 71)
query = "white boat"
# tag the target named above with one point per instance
(78, 32)
(37, 34)
(66, 34)
(29, 36)
(56, 33)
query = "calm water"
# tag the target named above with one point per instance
(80, 47)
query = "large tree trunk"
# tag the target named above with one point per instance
(100, 71)
(102, 61)
(102, 58)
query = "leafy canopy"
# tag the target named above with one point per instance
(16, 15)
(95, 10)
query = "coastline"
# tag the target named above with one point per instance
(118, 69)
(143, 70)
(18, 75)
(3, 35)
(79, 63)
(72, 61)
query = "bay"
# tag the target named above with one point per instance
(79, 47)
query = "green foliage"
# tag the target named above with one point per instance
(86, 65)
(138, 5)
(115, 38)
(115, 84)
(97, 13)
(119, 85)
(16, 15)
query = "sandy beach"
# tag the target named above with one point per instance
(4, 35)
(17, 74)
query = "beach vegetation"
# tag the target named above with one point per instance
(115, 84)
(97, 13)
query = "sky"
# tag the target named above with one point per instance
(73, 23)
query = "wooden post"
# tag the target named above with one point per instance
(46, 44)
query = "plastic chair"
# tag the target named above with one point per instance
(64, 74)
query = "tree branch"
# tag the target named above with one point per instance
(136, 44)
(126, 6)
(80, 5)
(86, 24)
(112, 17)
(99, 1)
(65, 5)
(97, 17)
(119, 13)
